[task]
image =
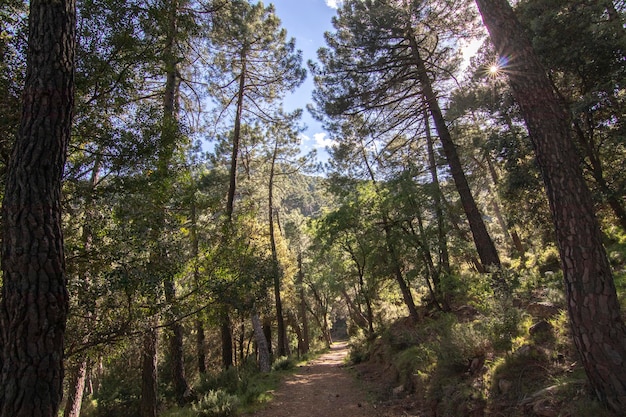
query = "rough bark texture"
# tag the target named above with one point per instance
(261, 341)
(230, 203)
(181, 388)
(149, 386)
(484, 244)
(442, 240)
(597, 327)
(34, 296)
(280, 319)
(76, 390)
(306, 343)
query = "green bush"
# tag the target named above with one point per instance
(414, 360)
(283, 363)
(503, 325)
(227, 380)
(216, 403)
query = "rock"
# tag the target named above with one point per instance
(397, 391)
(542, 309)
(540, 327)
(524, 350)
(466, 313)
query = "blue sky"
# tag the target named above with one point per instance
(306, 21)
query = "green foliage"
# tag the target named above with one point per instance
(179, 412)
(227, 380)
(359, 350)
(216, 403)
(460, 342)
(283, 363)
(119, 391)
(419, 360)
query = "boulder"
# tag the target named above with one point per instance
(540, 327)
(542, 309)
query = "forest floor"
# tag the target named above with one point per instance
(324, 387)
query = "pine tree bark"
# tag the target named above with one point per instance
(200, 347)
(306, 342)
(230, 202)
(167, 146)
(76, 390)
(280, 319)
(195, 250)
(79, 374)
(484, 244)
(149, 387)
(597, 327)
(444, 257)
(261, 341)
(267, 332)
(34, 301)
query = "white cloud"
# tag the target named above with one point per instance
(334, 4)
(319, 141)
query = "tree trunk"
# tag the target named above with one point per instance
(76, 390)
(261, 341)
(293, 322)
(149, 386)
(444, 257)
(369, 313)
(597, 327)
(236, 136)
(227, 341)
(159, 256)
(200, 336)
(484, 245)
(181, 388)
(200, 347)
(391, 250)
(85, 302)
(34, 302)
(508, 233)
(306, 342)
(267, 332)
(597, 171)
(225, 325)
(355, 312)
(280, 320)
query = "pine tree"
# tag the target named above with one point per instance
(598, 329)
(34, 296)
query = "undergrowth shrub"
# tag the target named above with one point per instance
(119, 392)
(359, 350)
(416, 360)
(227, 380)
(216, 403)
(283, 363)
(502, 324)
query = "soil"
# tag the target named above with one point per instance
(324, 387)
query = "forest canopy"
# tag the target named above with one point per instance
(166, 240)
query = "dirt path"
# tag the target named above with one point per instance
(321, 388)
